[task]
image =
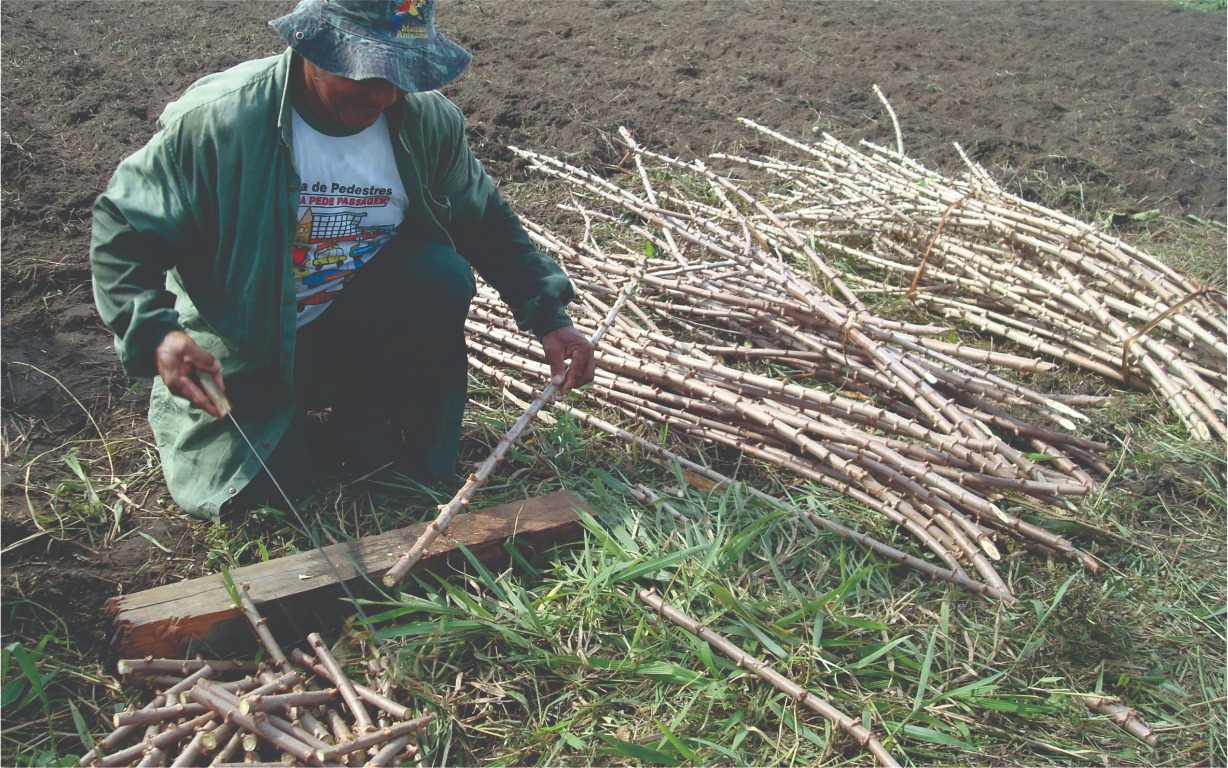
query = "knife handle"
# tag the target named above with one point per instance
(206, 382)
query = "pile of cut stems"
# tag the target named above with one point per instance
(969, 251)
(742, 335)
(300, 709)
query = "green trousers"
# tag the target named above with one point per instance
(385, 365)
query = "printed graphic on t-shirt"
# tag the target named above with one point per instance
(333, 242)
(350, 203)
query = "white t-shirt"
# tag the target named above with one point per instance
(351, 202)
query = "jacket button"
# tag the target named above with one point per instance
(231, 491)
(285, 355)
(289, 302)
(264, 444)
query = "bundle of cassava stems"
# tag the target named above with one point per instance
(751, 329)
(303, 709)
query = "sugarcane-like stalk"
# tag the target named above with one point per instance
(212, 739)
(345, 686)
(168, 681)
(160, 741)
(1126, 718)
(154, 756)
(374, 698)
(293, 731)
(226, 706)
(250, 742)
(284, 701)
(190, 755)
(312, 724)
(232, 746)
(157, 714)
(397, 573)
(799, 694)
(184, 667)
(375, 738)
(122, 732)
(954, 575)
(340, 729)
(260, 625)
(391, 751)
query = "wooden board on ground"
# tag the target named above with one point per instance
(298, 594)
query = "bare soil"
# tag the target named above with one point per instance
(1093, 107)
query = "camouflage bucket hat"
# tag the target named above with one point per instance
(390, 39)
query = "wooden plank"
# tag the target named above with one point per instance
(298, 592)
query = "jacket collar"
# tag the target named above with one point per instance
(285, 113)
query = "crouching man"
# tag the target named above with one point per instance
(308, 224)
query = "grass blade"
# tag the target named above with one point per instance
(924, 679)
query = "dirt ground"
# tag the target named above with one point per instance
(1095, 107)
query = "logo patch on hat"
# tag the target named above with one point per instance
(411, 18)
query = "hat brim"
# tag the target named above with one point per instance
(418, 65)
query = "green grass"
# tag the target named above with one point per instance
(1206, 6)
(49, 698)
(554, 660)
(1192, 246)
(558, 663)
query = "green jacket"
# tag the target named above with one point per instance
(195, 230)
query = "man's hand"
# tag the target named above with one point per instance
(179, 359)
(569, 344)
